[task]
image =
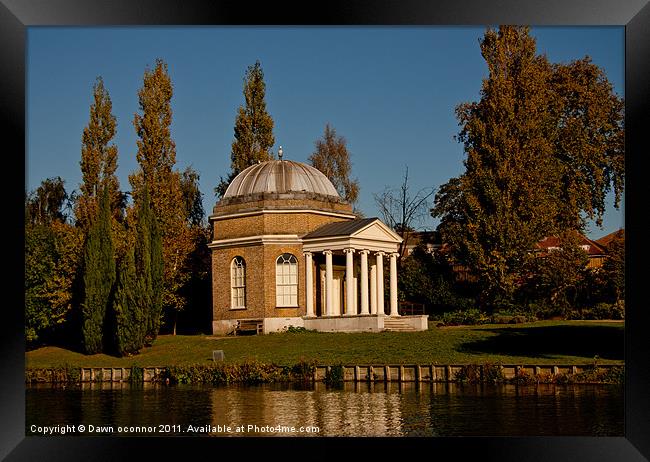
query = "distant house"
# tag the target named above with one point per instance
(595, 251)
(606, 240)
(429, 239)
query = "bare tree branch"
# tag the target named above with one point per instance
(402, 210)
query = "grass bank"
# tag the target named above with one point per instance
(544, 342)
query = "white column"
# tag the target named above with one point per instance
(349, 282)
(393, 284)
(309, 285)
(364, 281)
(328, 282)
(380, 283)
(373, 289)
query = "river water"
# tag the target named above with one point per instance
(365, 409)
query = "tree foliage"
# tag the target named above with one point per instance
(130, 319)
(253, 128)
(156, 158)
(332, 158)
(149, 267)
(556, 275)
(544, 146)
(614, 266)
(427, 278)
(52, 254)
(98, 279)
(99, 160)
(192, 197)
(48, 203)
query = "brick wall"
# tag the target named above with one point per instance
(260, 263)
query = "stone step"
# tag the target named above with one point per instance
(397, 325)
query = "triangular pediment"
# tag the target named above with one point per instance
(378, 231)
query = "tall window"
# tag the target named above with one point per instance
(238, 283)
(286, 280)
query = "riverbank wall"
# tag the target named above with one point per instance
(261, 373)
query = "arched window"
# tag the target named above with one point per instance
(238, 283)
(286, 280)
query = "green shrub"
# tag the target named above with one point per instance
(609, 310)
(523, 377)
(493, 373)
(544, 310)
(471, 373)
(334, 375)
(297, 330)
(600, 311)
(614, 375)
(136, 376)
(250, 372)
(470, 316)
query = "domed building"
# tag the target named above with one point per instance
(288, 251)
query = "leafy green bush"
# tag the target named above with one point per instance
(470, 317)
(297, 330)
(598, 312)
(136, 376)
(472, 373)
(249, 372)
(545, 310)
(595, 374)
(609, 310)
(334, 375)
(523, 377)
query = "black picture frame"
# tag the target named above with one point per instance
(17, 15)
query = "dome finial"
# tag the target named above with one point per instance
(280, 153)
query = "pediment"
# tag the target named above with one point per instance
(378, 231)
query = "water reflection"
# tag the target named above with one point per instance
(355, 409)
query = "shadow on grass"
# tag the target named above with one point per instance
(551, 341)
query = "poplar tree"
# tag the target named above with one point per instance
(332, 158)
(98, 278)
(253, 128)
(156, 157)
(98, 160)
(543, 146)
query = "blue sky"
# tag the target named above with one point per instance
(390, 91)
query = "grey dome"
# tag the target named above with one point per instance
(280, 177)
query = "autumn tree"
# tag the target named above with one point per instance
(192, 197)
(194, 288)
(403, 209)
(614, 266)
(98, 278)
(543, 146)
(156, 158)
(99, 160)
(53, 248)
(253, 128)
(332, 158)
(555, 275)
(49, 203)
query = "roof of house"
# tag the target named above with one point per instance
(340, 228)
(593, 248)
(605, 240)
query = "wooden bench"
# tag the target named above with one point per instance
(248, 326)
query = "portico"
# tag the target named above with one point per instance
(344, 275)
